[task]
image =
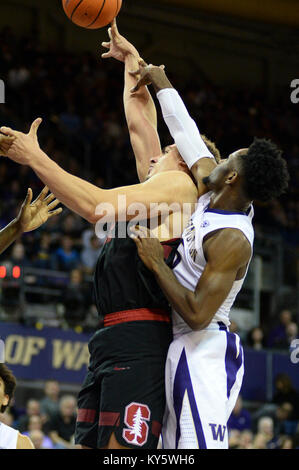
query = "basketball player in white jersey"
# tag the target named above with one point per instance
(204, 367)
(10, 438)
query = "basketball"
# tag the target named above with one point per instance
(91, 14)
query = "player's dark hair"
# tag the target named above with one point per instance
(265, 172)
(9, 383)
(212, 147)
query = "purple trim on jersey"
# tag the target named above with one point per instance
(222, 326)
(224, 212)
(232, 363)
(182, 382)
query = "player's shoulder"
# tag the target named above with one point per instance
(228, 242)
(24, 442)
(176, 180)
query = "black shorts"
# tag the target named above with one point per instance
(127, 399)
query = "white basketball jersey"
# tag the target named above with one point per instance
(188, 271)
(8, 437)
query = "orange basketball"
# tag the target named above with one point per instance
(91, 14)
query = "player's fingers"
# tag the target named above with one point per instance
(142, 62)
(8, 131)
(134, 72)
(42, 194)
(110, 33)
(56, 212)
(136, 240)
(106, 55)
(106, 44)
(34, 126)
(49, 198)
(138, 85)
(53, 204)
(162, 67)
(114, 28)
(28, 198)
(7, 139)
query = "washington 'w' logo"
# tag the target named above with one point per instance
(135, 418)
(218, 431)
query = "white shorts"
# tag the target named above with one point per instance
(204, 373)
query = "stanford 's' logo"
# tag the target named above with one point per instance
(135, 418)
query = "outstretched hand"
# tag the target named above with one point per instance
(18, 146)
(119, 47)
(34, 214)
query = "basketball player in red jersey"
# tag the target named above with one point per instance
(134, 341)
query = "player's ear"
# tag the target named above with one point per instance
(231, 177)
(5, 400)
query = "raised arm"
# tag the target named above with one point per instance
(139, 107)
(181, 126)
(83, 197)
(31, 216)
(227, 252)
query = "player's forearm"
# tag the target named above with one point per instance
(182, 127)
(76, 194)
(9, 234)
(141, 118)
(139, 104)
(183, 300)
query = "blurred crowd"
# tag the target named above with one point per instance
(50, 420)
(272, 425)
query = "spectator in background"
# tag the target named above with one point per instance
(49, 405)
(36, 424)
(291, 333)
(62, 425)
(277, 337)
(246, 439)
(286, 393)
(18, 255)
(234, 439)
(240, 418)
(91, 252)
(38, 439)
(255, 338)
(76, 299)
(265, 427)
(259, 441)
(280, 414)
(43, 258)
(32, 409)
(285, 442)
(66, 258)
(72, 225)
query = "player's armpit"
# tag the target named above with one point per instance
(24, 442)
